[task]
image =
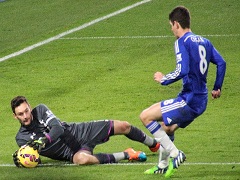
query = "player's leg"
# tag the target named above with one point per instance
(150, 118)
(163, 161)
(98, 132)
(163, 154)
(135, 134)
(91, 134)
(170, 130)
(84, 157)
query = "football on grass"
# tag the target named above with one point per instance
(28, 157)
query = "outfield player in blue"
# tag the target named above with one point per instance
(73, 142)
(193, 55)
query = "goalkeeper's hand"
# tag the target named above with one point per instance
(38, 144)
(16, 160)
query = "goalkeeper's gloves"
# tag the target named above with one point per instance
(16, 160)
(38, 144)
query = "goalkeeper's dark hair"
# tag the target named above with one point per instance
(182, 15)
(17, 101)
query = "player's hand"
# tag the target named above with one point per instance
(38, 144)
(216, 93)
(16, 160)
(158, 76)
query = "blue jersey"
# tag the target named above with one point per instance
(193, 55)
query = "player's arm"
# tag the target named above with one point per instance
(54, 133)
(182, 68)
(53, 124)
(218, 60)
(56, 130)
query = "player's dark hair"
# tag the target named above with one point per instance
(17, 101)
(182, 15)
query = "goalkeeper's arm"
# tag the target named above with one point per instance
(56, 130)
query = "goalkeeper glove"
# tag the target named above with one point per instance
(16, 160)
(38, 144)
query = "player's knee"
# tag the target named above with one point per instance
(143, 117)
(81, 158)
(121, 127)
(125, 126)
(168, 130)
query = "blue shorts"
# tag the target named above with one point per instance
(177, 111)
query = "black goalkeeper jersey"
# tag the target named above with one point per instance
(65, 138)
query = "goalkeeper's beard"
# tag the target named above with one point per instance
(26, 121)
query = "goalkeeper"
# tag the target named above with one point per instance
(74, 142)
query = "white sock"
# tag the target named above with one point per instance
(119, 156)
(161, 136)
(163, 158)
(148, 141)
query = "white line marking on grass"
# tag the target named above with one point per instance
(188, 164)
(132, 164)
(221, 35)
(119, 37)
(29, 48)
(145, 37)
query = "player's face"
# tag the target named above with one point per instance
(23, 114)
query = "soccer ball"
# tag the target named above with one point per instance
(28, 157)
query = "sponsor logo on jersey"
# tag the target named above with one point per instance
(169, 120)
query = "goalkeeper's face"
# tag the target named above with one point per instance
(23, 114)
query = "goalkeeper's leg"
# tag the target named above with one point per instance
(135, 134)
(84, 157)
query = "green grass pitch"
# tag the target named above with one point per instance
(105, 71)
